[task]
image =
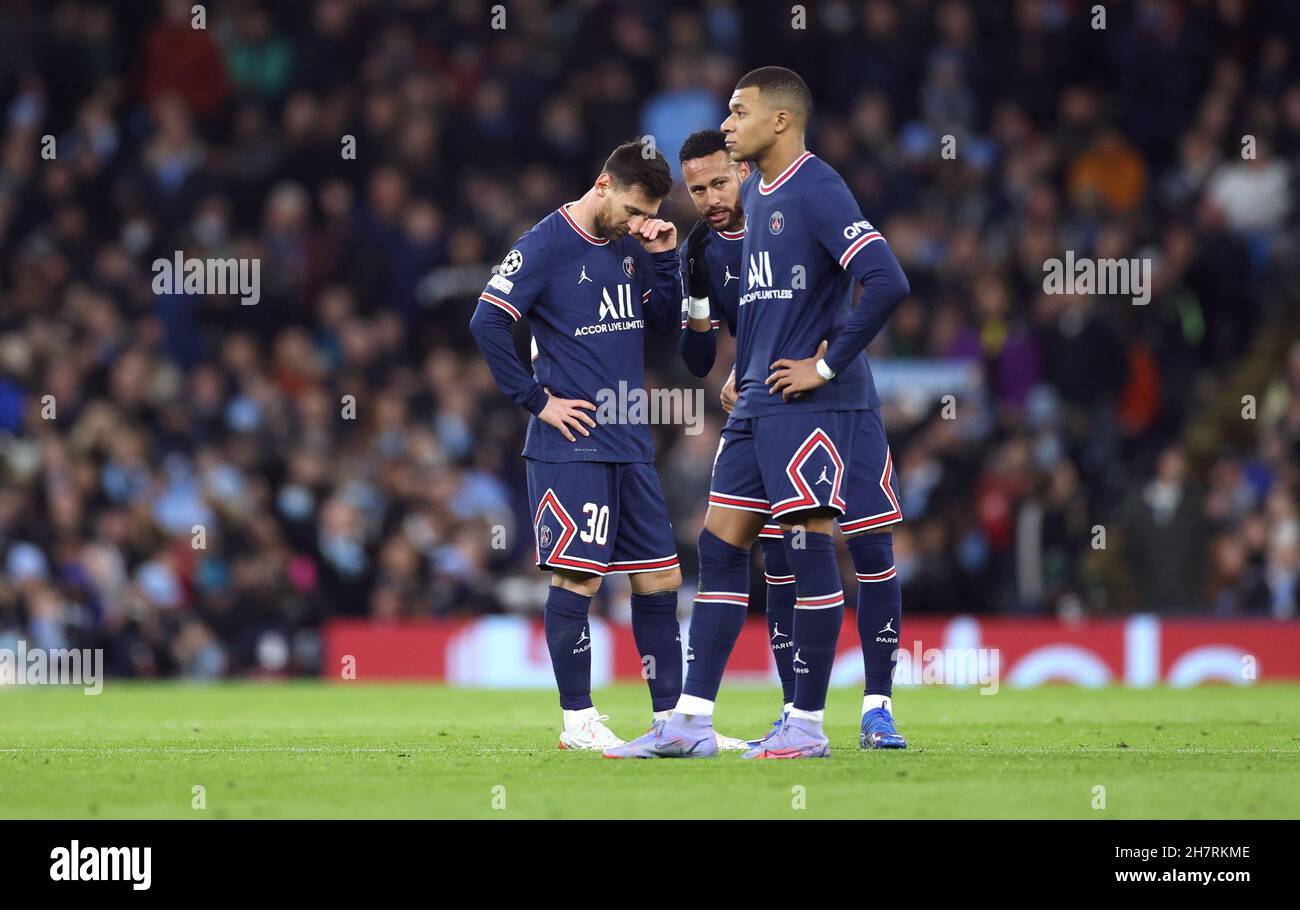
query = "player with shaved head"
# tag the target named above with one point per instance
(805, 443)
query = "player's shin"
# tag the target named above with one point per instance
(658, 641)
(818, 616)
(880, 604)
(780, 613)
(569, 640)
(718, 617)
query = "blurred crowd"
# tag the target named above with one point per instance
(196, 485)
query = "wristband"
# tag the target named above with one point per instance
(824, 371)
(697, 307)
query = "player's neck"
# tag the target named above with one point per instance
(779, 157)
(583, 211)
(737, 228)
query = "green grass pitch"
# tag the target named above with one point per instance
(351, 750)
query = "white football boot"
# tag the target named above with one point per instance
(586, 730)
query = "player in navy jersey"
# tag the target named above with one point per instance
(591, 277)
(803, 405)
(711, 270)
(711, 279)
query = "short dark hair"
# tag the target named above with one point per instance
(702, 144)
(632, 164)
(783, 86)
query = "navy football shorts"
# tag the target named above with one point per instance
(599, 517)
(783, 464)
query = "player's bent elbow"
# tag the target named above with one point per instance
(698, 370)
(900, 286)
(698, 365)
(896, 285)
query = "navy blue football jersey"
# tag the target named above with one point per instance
(802, 233)
(588, 303)
(724, 270)
(723, 257)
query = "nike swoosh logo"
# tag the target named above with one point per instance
(677, 742)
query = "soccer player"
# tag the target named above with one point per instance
(712, 270)
(591, 276)
(712, 281)
(802, 410)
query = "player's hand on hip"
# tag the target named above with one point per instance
(794, 377)
(728, 396)
(657, 235)
(566, 415)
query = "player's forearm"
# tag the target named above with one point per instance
(698, 348)
(884, 286)
(662, 309)
(492, 331)
(700, 324)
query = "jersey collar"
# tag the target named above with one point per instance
(766, 188)
(564, 210)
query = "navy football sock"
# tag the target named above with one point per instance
(780, 612)
(818, 615)
(658, 641)
(569, 641)
(719, 614)
(880, 608)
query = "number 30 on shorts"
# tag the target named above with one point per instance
(597, 524)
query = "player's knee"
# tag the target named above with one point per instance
(719, 555)
(872, 552)
(735, 527)
(583, 583)
(656, 582)
(816, 521)
(775, 562)
(672, 580)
